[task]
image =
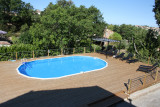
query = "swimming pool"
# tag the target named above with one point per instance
(60, 67)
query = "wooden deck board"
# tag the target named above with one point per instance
(110, 79)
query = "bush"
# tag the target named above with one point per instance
(23, 50)
(97, 47)
(115, 36)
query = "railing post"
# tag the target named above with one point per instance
(33, 54)
(156, 75)
(48, 52)
(73, 50)
(61, 51)
(148, 60)
(16, 56)
(94, 50)
(144, 81)
(129, 87)
(84, 50)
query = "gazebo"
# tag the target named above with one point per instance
(107, 40)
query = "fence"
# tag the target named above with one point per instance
(143, 81)
(42, 53)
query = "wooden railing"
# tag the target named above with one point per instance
(42, 53)
(143, 81)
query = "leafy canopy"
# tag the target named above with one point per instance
(14, 13)
(116, 36)
(63, 25)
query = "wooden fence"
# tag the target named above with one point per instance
(42, 53)
(143, 81)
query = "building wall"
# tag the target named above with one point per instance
(107, 34)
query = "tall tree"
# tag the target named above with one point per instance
(152, 41)
(14, 13)
(156, 10)
(63, 25)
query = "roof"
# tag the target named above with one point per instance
(4, 43)
(105, 40)
(3, 32)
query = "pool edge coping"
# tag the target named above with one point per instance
(64, 75)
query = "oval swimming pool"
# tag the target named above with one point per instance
(60, 67)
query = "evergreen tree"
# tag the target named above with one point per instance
(156, 10)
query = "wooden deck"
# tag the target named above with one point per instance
(72, 91)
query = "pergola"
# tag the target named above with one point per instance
(107, 40)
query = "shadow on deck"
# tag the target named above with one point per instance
(75, 97)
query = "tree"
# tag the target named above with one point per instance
(116, 36)
(63, 25)
(152, 41)
(64, 3)
(110, 27)
(14, 13)
(156, 10)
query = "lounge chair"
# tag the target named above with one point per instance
(120, 56)
(115, 52)
(128, 57)
(147, 69)
(109, 52)
(132, 61)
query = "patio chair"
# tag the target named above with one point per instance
(109, 52)
(132, 61)
(147, 69)
(120, 56)
(130, 55)
(115, 52)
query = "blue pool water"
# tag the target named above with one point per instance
(59, 67)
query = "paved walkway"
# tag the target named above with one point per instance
(149, 97)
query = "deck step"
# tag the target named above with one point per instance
(110, 100)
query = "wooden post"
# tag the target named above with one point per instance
(84, 50)
(73, 50)
(148, 60)
(94, 49)
(144, 81)
(16, 56)
(33, 54)
(48, 52)
(129, 87)
(156, 75)
(61, 51)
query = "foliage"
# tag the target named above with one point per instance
(63, 25)
(115, 36)
(152, 41)
(124, 44)
(15, 40)
(110, 27)
(141, 41)
(145, 44)
(23, 51)
(17, 48)
(14, 13)
(156, 10)
(24, 28)
(97, 47)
